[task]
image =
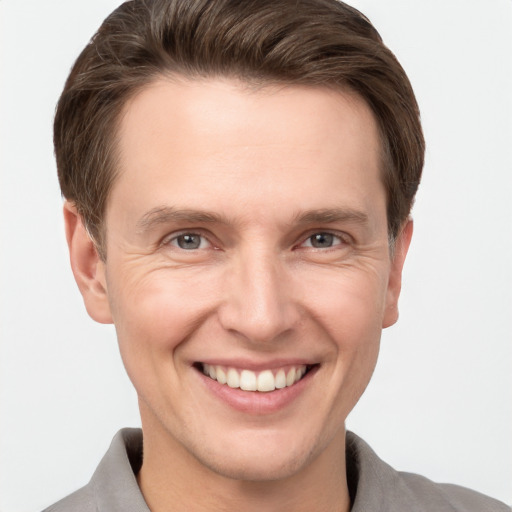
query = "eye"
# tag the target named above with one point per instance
(322, 240)
(189, 241)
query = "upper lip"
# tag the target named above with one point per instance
(256, 366)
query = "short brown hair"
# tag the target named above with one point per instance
(304, 42)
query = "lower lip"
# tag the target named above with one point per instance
(256, 402)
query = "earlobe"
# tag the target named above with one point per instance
(395, 275)
(87, 266)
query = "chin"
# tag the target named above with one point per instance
(256, 468)
(259, 456)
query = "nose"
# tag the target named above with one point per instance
(258, 299)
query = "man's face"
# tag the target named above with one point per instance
(247, 238)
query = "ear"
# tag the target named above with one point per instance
(395, 275)
(87, 266)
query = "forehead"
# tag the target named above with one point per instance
(188, 141)
(185, 110)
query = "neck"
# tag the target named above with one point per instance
(173, 479)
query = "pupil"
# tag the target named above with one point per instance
(322, 240)
(189, 241)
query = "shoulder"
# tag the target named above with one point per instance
(80, 501)
(113, 485)
(428, 495)
(377, 486)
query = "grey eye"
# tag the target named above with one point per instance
(189, 241)
(322, 240)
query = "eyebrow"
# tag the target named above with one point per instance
(331, 215)
(167, 214)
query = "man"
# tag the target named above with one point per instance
(238, 180)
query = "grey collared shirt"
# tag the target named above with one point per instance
(374, 486)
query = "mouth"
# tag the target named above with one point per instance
(263, 381)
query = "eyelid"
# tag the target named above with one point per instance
(167, 239)
(344, 238)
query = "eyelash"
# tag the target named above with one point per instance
(173, 240)
(342, 239)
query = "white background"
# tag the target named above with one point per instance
(440, 402)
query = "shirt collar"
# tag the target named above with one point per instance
(373, 485)
(114, 483)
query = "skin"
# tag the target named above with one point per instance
(266, 165)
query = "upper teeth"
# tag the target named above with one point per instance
(248, 380)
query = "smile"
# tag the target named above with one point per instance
(247, 380)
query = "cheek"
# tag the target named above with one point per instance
(154, 314)
(349, 309)
(348, 303)
(354, 325)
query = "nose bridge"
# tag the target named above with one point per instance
(258, 302)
